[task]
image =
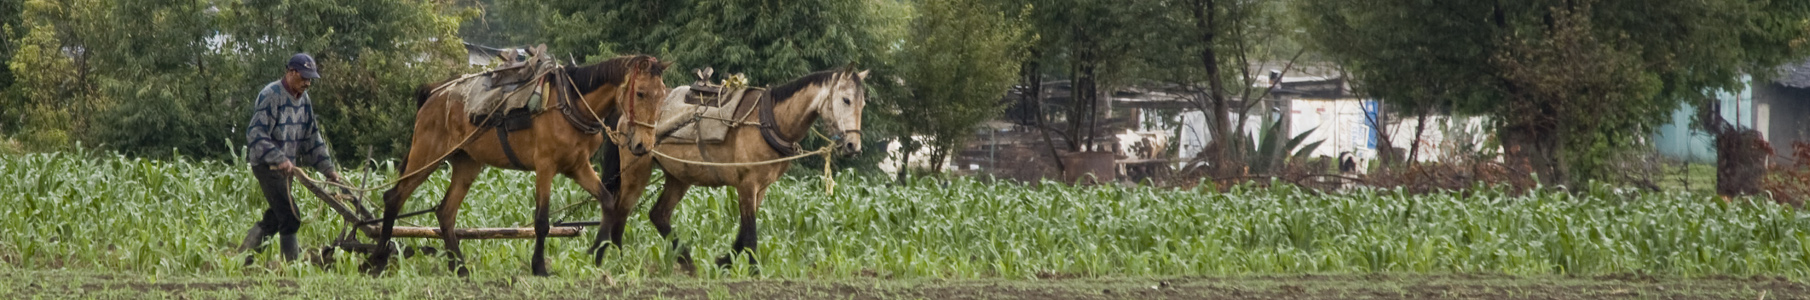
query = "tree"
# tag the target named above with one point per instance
(54, 73)
(1226, 40)
(1204, 48)
(161, 77)
(10, 26)
(501, 23)
(1565, 82)
(373, 55)
(952, 70)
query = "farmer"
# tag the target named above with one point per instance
(283, 135)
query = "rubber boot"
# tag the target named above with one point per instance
(290, 250)
(254, 241)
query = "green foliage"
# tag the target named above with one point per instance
(1568, 83)
(373, 54)
(502, 23)
(959, 60)
(1268, 154)
(183, 217)
(158, 78)
(9, 23)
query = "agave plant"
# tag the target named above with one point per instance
(1267, 154)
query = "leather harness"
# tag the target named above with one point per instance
(522, 118)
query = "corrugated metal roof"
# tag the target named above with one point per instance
(1795, 75)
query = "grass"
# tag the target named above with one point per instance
(91, 285)
(1692, 177)
(181, 219)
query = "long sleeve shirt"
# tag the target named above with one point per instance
(283, 128)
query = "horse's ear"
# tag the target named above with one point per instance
(862, 75)
(662, 66)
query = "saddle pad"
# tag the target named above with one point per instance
(510, 87)
(686, 123)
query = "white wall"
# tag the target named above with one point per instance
(1344, 127)
(1340, 124)
(1195, 134)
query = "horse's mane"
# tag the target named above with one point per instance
(785, 90)
(612, 71)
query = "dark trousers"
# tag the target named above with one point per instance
(281, 217)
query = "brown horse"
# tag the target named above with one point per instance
(838, 96)
(561, 140)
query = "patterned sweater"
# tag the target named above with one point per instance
(283, 128)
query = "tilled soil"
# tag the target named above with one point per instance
(65, 284)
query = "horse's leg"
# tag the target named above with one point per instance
(635, 176)
(612, 185)
(588, 180)
(661, 216)
(633, 182)
(749, 200)
(394, 198)
(464, 172)
(543, 183)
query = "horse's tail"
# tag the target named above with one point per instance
(421, 94)
(425, 91)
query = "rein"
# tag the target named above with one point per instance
(615, 136)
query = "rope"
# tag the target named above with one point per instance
(829, 179)
(824, 150)
(467, 140)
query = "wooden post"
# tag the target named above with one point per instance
(474, 233)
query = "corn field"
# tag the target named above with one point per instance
(88, 211)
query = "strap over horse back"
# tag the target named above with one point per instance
(769, 128)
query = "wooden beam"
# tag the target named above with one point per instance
(475, 233)
(348, 214)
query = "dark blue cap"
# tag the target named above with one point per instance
(303, 63)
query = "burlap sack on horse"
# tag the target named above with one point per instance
(704, 112)
(517, 86)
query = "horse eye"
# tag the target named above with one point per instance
(846, 101)
(641, 95)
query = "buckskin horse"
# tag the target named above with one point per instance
(561, 141)
(837, 96)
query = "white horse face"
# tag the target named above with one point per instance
(842, 107)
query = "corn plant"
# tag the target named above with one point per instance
(89, 211)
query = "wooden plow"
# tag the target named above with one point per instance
(359, 219)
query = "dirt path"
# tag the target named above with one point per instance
(64, 284)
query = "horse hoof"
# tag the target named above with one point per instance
(374, 270)
(725, 261)
(458, 268)
(540, 268)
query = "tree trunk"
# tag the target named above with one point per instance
(1534, 149)
(1223, 161)
(1084, 114)
(905, 158)
(1420, 130)
(1034, 77)
(937, 158)
(1740, 154)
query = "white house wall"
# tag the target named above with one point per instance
(1341, 126)
(1195, 134)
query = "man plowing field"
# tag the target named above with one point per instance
(284, 134)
